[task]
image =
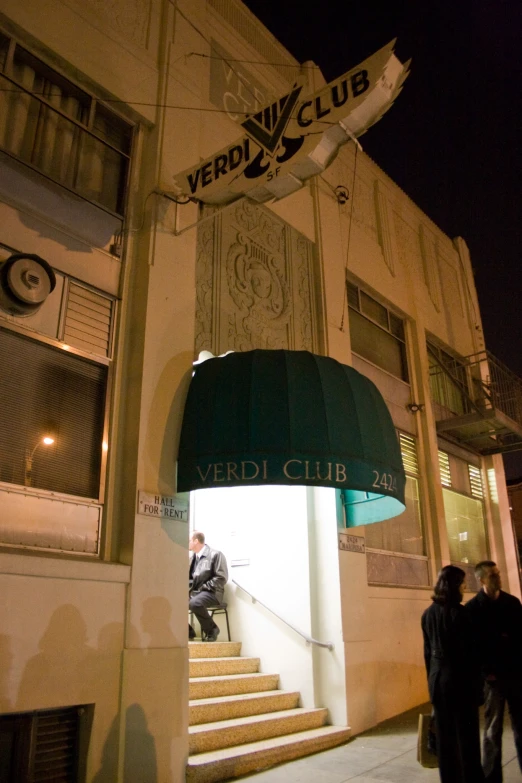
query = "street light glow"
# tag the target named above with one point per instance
(48, 440)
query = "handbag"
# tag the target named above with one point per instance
(427, 742)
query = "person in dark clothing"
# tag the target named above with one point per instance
(208, 575)
(497, 620)
(453, 680)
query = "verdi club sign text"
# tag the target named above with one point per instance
(339, 473)
(298, 135)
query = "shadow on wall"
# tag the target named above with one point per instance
(391, 687)
(140, 749)
(164, 424)
(64, 658)
(68, 671)
(36, 195)
(6, 660)
(156, 622)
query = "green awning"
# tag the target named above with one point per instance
(291, 417)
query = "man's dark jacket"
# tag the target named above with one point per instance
(497, 625)
(210, 572)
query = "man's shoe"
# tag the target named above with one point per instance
(212, 636)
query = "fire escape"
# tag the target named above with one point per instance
(477, 401)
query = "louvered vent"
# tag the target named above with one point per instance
(88, 320)
(444, 468)
(56, 746)
(475, 482)
(492, 483)
(409, 454)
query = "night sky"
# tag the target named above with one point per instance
(452, 141)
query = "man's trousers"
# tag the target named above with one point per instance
(497, 694)
(198, 603)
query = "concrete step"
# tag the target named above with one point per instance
(241, 705)
(226, 685)
(208, 667)
(238, 731)
(219, 765)
(213, 649)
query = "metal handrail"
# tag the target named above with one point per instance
(308, 639)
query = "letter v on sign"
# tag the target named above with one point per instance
(260, 125)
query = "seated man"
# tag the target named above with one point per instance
(208, 575)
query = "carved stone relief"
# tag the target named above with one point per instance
(408, 248)
(386, 227)
(364, 208)
(255, 284)
(129, 18)
(430, 265)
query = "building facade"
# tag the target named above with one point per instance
(101, 105)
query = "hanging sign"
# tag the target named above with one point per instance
(298, 135)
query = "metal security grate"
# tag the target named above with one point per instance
(88, 320)
(409, 454)
(475, 482)
(56, 746)
(444, 468)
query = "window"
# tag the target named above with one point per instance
(49, 393)
(448, 381)
(61, 130)
(396, 552)
(402, 533)
(376, 333)
(463, 494)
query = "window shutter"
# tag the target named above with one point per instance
(475, 482)
(409, 454)
(444, 468)
(88, 320)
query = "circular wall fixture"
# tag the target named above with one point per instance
(342, 194)
(25, 283)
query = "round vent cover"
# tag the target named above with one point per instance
(25, 283)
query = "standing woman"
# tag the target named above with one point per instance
(454, 683)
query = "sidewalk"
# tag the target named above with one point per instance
(385, 754)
